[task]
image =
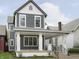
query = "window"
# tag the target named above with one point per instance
(30, 41)
(26, 40)
(30, 7)
(11, 26)
(22, 20)
(37, 21)
(12, 42)
(11, 35)
(34, 41)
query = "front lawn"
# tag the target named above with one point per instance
(5, 55)
(8, 55)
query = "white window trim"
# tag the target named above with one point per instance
(20, 21)
(10, 42)
(35, 21)
(16, 20)
(32, 41)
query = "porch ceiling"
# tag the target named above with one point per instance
(46, 33)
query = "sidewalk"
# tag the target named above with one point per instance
(72, 56)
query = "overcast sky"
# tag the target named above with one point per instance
(57, 10)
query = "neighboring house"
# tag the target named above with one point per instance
(26, 31)
(70, 39)
(3, 38)
(10, 33)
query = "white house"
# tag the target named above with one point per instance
(27, 33)
(70, 39)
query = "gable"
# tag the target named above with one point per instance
(25, 9)
(34, 10)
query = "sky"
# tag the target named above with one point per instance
(57, 10)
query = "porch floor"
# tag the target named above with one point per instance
(24, 51)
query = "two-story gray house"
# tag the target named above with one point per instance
(26, 31)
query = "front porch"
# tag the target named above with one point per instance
(30, 44)
(27, 48)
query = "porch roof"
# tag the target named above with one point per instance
(47, 33)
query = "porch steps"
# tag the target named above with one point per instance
(34, 52)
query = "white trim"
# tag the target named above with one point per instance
(18, 41)
(28, 43)
(16, 20)
(20, 15)
(10, 42)
(35, 21)
(40, 42)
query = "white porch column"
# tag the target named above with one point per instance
(18, 41)
(40, 42)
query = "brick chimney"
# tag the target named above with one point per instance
(59, 26)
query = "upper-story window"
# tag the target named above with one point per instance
(30, 7)
(37, 21)
(22, 20)
(11, 26)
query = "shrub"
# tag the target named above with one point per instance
(76, 46)
(73, 50)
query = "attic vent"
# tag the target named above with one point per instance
(30, 7)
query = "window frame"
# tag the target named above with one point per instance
(22, 15)
(10, 26)
(28, 42)
(11, 41)
(35, 21)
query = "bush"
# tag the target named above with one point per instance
(73, 50)
(76, 46)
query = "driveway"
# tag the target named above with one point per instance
(72, 56)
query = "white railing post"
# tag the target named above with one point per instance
(40, 42)
(18, 41)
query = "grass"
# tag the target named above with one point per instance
(5, 55)
(11, 55)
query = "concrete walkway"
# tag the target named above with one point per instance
(72, 56)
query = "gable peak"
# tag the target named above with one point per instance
(30, 0)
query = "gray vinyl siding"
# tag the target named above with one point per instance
(17, 20)
(42, 21)
(12, 48)
(12, 35)
(30, 20)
